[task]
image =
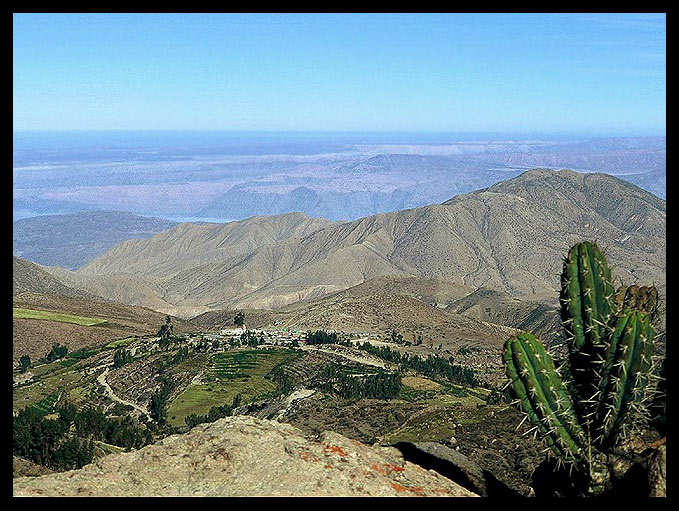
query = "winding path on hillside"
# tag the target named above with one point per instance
(348, 356)
(109, 391)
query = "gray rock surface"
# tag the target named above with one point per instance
(242, 455)
(471, 470)
(456, 466)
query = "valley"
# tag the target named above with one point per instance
(269, 374)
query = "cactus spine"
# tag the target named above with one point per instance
(610, 345)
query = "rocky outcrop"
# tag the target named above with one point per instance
(456, 466)
(241, 456)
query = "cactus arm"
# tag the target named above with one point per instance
(586, 310)
(625, 373)
(540, 390)
(521, 393)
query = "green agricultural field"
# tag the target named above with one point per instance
(46, 405)
(61, 376)
(228, 374)
(120, 343)
(20, 313)
(443, 393)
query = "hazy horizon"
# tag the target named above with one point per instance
(44, 139)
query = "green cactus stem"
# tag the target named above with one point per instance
(586, 310)
(539, 388)
(586, 295)
(624, 374)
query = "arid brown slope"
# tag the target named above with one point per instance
(373, 308)
(430, 291)
(447, 309)
(497, 307)
(189, 245)
(510, 237)
(28, 277)
(35, 337)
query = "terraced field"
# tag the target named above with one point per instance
(228, 374)
(20, 313)
(53, 378)
(46, 405)
(72, 375)
(120, 343)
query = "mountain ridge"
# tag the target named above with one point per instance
(510, 237)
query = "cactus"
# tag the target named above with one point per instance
(543, 397)
(610, 343)
(624, 375)
(586, 308)
(586, 296)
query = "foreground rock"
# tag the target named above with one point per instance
(22, 467)
(456, 466)
(242, 455)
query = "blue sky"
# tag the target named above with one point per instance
(579, 73)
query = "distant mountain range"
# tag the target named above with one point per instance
(351, 182)
(509, 237)
(420, 179)
(654, 181)
(74, 239)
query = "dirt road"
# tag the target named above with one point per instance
(109, 391)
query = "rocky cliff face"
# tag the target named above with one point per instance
(243, 456)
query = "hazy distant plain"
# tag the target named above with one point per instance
(228, 176)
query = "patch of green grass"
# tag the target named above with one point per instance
(228, 374)
(76, 356)
(410, 394)
(46, 405)
(120, 343)
(56, 316)
(82, 354)
(108, 448)
(438, 424)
